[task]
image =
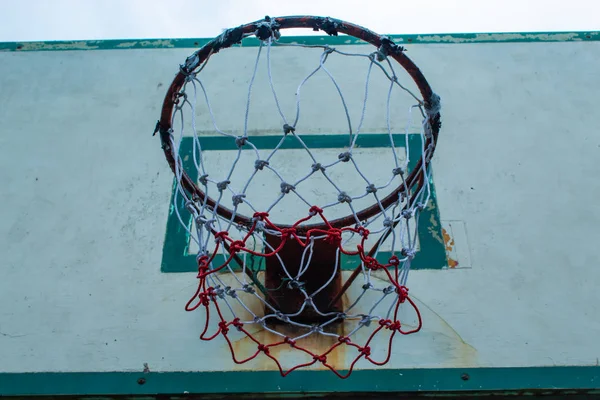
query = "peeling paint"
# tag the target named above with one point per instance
(507, 37)
(433, 229)
(41, 46)
(162, 43)
(449, 243)
(456, 244)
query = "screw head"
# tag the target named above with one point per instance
(141, 381)
(465, 377)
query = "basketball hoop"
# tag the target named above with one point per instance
(302, 285)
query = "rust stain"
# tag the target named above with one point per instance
(449, 244)
(437, 344)
(288, 356)
(439, 331)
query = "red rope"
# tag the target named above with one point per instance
(207, 296)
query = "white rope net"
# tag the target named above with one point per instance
(231, 255)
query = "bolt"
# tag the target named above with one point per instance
(465, 377)
(141, 381)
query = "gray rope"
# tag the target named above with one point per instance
(400, 220)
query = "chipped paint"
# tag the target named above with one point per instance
(506, 37)
(433, 229)
(449, 38)
(449, 244)
(162, 43)
(46, 46)
(456, 244)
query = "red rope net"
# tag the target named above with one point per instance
(207, 297)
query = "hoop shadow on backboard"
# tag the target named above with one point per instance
(178, 257)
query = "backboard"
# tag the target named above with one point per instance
(97, 267)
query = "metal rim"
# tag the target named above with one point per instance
(332, 27)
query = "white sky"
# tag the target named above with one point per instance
(25, 20)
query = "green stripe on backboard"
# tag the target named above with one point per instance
(176, 257)
(435, 38)
(519, 382)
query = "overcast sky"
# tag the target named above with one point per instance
(23, 20)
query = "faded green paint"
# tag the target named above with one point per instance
(176, 257)
(116, 44)
(437, 381)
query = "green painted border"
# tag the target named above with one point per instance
(529, 380)
(126, 44)
(176, 257)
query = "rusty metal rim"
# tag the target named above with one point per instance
(332, 27)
